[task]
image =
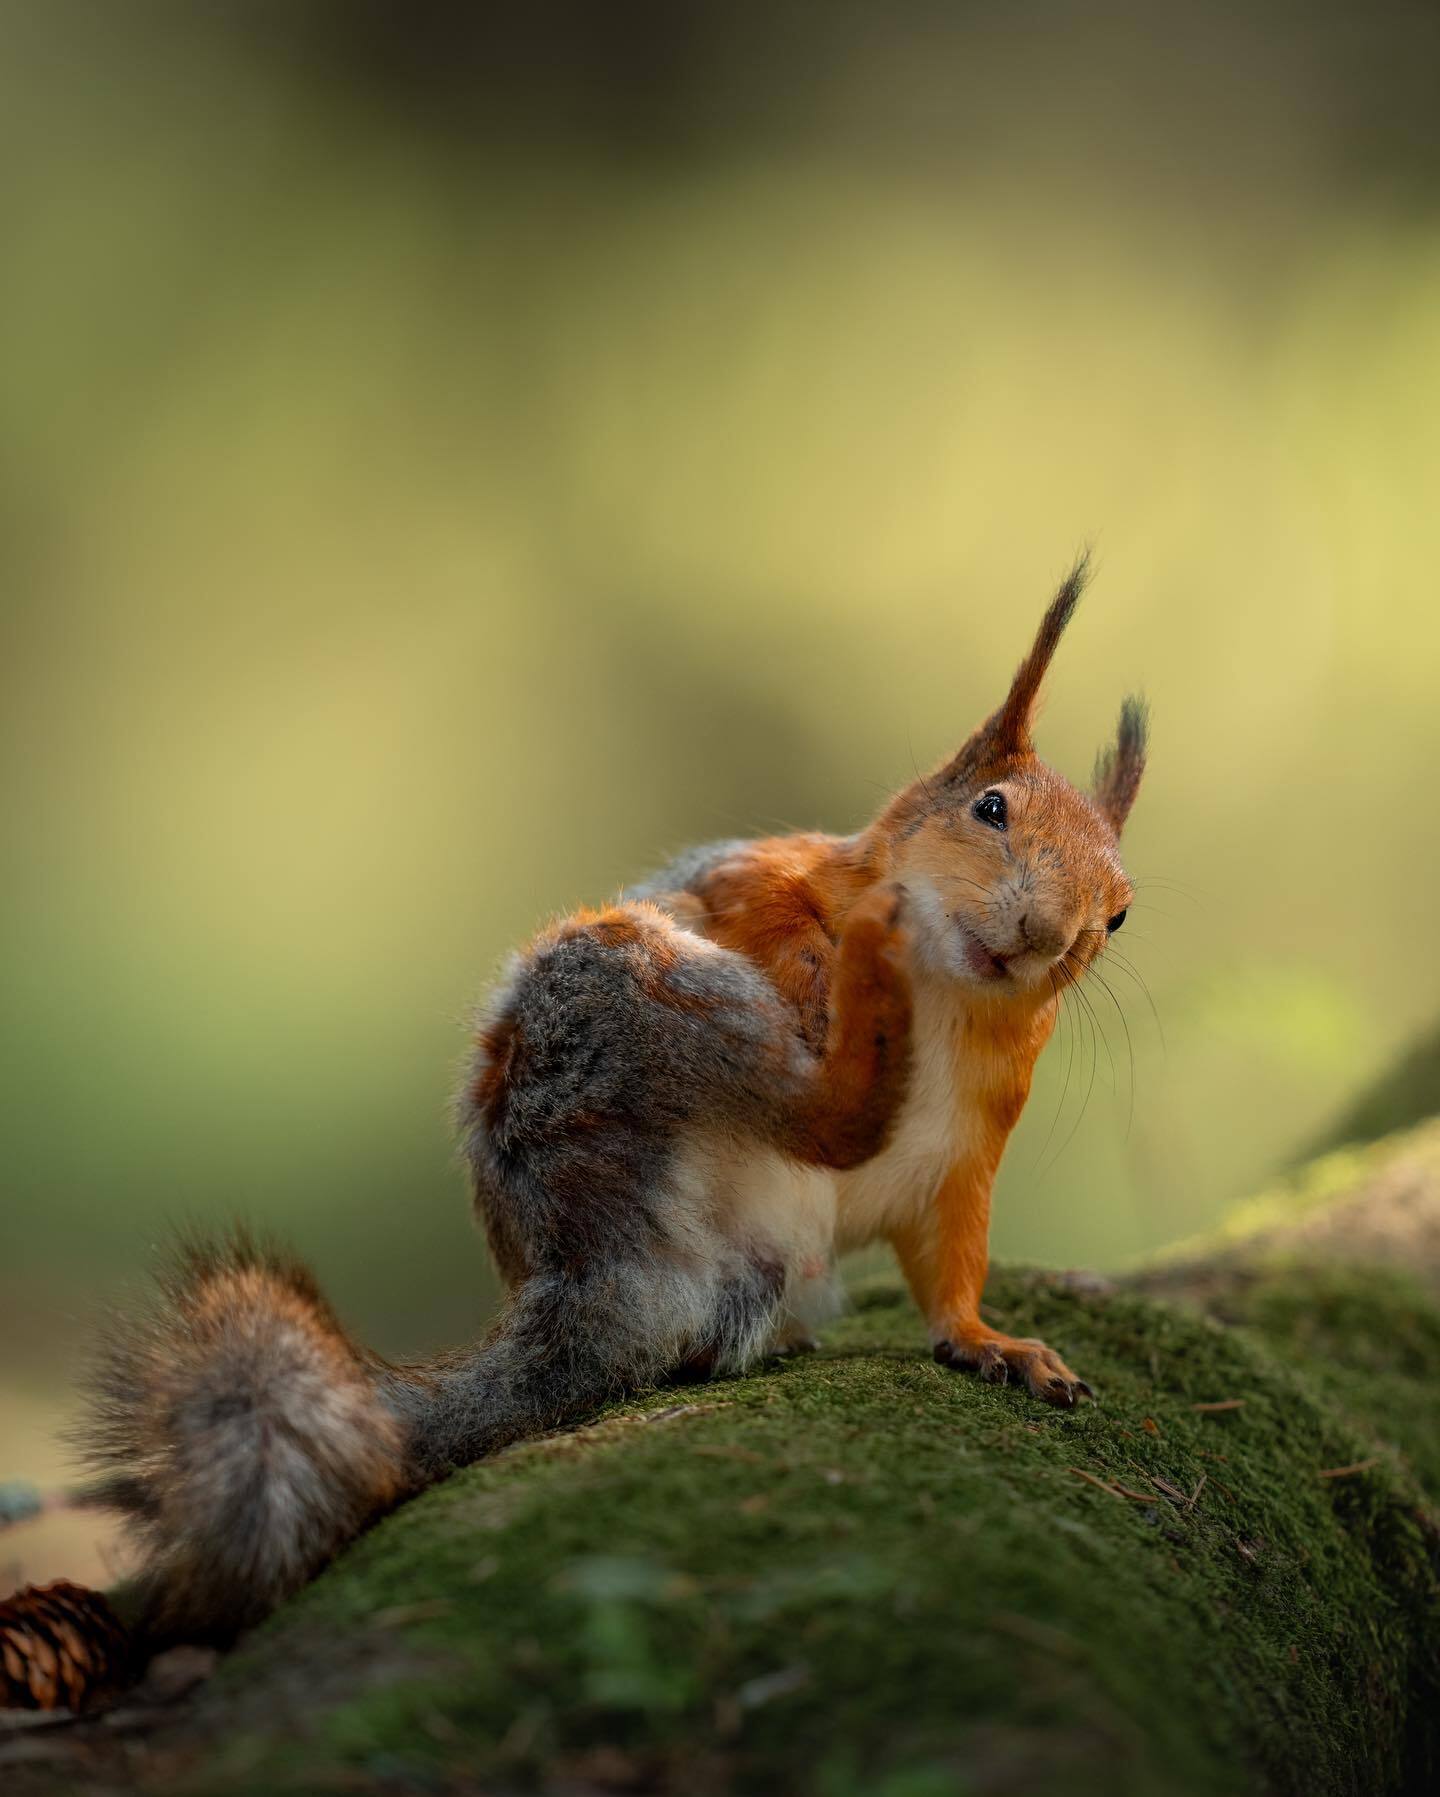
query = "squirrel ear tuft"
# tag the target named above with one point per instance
(1012, 721)
(1006, 732)
(1118, 768)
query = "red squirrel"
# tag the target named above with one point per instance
(680, 1108)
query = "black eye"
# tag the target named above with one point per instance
(990, 809)
(1116, 921)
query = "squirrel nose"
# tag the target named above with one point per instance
(1043, 937)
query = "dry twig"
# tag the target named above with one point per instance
(1344, 1472)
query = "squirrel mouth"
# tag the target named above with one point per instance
(979, 959)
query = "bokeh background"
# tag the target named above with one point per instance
(452, 456)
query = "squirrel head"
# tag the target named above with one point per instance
(1014, 875)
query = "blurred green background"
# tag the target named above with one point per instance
(449, 460)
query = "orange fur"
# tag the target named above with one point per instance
(866, 1058)
(945, 1252)
(782, 903)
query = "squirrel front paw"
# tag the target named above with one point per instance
(872, 983)
(1000, 1358)
(862, 1076)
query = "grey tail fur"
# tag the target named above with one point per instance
(572, 1338)
(241, 1432)
(246, 1437)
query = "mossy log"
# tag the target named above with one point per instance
(861, 1572)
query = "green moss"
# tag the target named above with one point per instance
(862, 1573)
(1367, 1338)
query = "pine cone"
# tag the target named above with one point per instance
(61, 1647)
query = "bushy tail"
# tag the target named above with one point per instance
(247, 1438)
(243, 1434)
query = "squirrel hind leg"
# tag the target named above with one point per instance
(243, 1435)
(612, 1042)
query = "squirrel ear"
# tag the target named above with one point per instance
(1119, 767)
(1006, 732)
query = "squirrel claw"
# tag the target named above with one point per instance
(995, 1358)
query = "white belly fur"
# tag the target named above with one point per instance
(761, 1206)
(931, 1132)
(802, 1216)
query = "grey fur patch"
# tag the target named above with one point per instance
(685, 870)
(570, 1340)
(617, 1051)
